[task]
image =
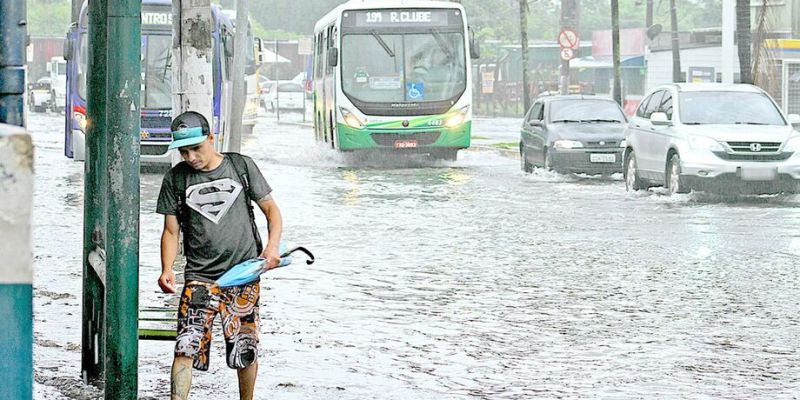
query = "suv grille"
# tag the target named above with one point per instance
(747, 147)
(422, 138)
(754, 156)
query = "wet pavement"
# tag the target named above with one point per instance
(466, 279)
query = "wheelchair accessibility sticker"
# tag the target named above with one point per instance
(415, 90)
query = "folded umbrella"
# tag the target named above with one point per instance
(248, 271)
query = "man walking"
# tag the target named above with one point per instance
(209, 198)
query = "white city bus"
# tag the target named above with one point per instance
(394, 74)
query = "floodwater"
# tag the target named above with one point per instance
(460, 280)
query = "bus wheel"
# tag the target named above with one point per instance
(444, 154)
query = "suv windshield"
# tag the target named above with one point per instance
(728, 108)
(585, 110)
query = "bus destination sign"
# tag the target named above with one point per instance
(395, 18)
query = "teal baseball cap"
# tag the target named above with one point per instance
(188, 129)
(187, 137)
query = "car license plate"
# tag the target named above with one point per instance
(759, 174)
(602, 158)
(405, 144)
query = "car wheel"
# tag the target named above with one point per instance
(548, 162)
(524, 164)
(631, 172)
(674, 183)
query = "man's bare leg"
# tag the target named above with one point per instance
(247, 381)
(181, 378)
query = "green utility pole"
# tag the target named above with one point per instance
(111, 210)
(122, 150)
(94, 201)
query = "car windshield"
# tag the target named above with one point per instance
(585, 110)
(728, 108)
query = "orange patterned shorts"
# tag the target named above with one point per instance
(238, 310)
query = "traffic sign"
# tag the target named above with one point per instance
(304, 46)
(568, 38)
(567, 54)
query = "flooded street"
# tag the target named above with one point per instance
(465, 279)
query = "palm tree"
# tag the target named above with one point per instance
(744, 41)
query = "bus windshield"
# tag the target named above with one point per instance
(156, 70)
(403, 67)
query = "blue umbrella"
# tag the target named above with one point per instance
(250, 270)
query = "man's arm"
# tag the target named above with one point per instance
(169, 250)
(273, 214)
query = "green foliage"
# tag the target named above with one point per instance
(49, 17)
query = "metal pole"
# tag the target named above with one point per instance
(13, 36)
(16, 273)
(94, 202)
(648, 21)
(277, 85)
(238, 96)
(615, 50)
(728, 46)
(523, 31)
(676, 44)
(569, 19)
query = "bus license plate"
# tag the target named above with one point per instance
(405, 144)
(602, 158)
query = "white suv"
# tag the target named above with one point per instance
(718, 137)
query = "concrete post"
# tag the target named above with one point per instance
(16, 274)
(192, 80)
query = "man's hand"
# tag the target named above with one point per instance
(272, 256)
(167, 282)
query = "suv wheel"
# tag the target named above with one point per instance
(631, 172)
(674, 183)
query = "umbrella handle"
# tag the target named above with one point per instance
(300, 249)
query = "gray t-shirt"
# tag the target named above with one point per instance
(220, 235)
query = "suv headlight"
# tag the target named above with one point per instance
(350, 119)
(705, 143)
(567, 144)
(792, 145)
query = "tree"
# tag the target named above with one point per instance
(744, 40)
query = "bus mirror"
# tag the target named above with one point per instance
(333, 57)
(259, 50)
(474, 49)
(474, 46)
(67, 48)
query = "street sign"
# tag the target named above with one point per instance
(304, 46)
(568, 38)
(567, 54)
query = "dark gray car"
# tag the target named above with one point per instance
(574, 133)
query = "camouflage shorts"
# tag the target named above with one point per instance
(238, 310)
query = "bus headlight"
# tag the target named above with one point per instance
(350, 119)
(458, 118)
(80, 119)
